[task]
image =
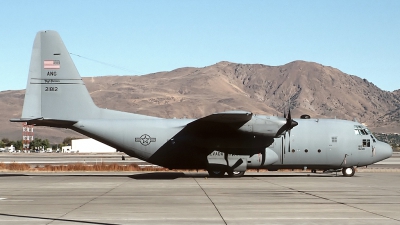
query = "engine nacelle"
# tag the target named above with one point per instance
(264, 125)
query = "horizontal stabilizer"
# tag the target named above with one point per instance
(24, 120)
(46, 122)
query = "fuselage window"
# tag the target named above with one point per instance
(366, 143)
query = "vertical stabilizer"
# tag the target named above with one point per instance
(55, 89)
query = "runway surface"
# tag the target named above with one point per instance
(41, 159)
(192, 198)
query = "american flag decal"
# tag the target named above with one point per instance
(51, 64)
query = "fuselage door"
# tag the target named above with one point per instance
(365, 146)
(365, 150)
(335, 155)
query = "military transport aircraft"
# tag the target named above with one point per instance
(227, 142)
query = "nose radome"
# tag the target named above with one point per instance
(383, 150)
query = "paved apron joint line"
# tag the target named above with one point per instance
(331, 200)
(211, 201)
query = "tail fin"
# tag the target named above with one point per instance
(55, 93)
(55, 89)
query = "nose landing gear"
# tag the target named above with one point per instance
(348, 171)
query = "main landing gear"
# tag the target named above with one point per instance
(216, 173)
(236, 173)
(220, 173)
(348, 171)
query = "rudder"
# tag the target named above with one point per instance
(55, 89)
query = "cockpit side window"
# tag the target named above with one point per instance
(366, 143)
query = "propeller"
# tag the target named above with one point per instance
(292, 124)
(288, 125)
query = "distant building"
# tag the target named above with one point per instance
(90, 146)
(66, 149)
(10, 149)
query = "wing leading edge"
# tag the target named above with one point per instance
(229, 121)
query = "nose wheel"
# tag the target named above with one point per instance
(348, 171)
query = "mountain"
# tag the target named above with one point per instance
(308, 87)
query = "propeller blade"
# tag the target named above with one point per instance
(290, 123)
(282, 150)
(283, 145)
(293, 124)
(237, 163)
(289, 141)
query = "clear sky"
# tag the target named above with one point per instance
(361, 38)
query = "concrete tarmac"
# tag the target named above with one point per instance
(193, 198)
(41, 159)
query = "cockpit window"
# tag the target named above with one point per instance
(360, 130)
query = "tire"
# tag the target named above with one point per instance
(348, 171)
(216, 173)
(236, 173)
(313, 171)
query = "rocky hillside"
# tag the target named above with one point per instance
(305, 87)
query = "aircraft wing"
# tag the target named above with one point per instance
(226, 117)
(226, 122)
(219, 131)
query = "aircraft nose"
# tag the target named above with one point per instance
(383, 150)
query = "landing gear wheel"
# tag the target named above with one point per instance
(216, 173)
(236, 173)
(348, 171)
(313, 171)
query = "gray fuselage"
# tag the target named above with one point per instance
(314, 143)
